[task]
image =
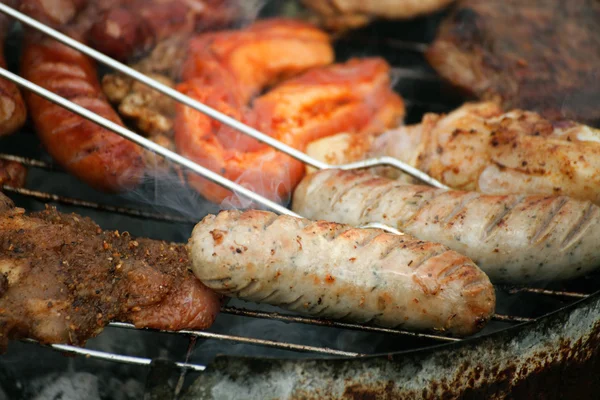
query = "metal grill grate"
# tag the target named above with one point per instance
(138, 212)
(418, 74)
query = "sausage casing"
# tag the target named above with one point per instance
(97, 156)
(514, 239)
(335, 271)
(12, 107)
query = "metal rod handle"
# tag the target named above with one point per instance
(211, 112)
(145, 143)
(164, 89)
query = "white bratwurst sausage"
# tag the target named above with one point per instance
(335, 271)
(513, 239)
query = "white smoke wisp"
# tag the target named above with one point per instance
(237, 201)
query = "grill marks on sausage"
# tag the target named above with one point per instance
(340, 195)
(513, 238)
(546, 225)
(496, 222)
(340, 271)
(580, 227)
(460, 207)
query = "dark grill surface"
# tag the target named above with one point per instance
(164, 209)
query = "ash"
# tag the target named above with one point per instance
(84, 385)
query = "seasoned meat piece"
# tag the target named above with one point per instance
(538, 55)
(335, 271)
(151, 112)
(62, 279)
(12, 173)
(348, 14)
(478, 147)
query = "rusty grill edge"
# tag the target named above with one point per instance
(553, 356)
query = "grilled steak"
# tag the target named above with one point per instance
(538, 55)
(62, 279)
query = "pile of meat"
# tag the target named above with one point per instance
(524, 187)
(63, 279)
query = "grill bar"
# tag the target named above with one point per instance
(253, 341)
(558, 293)
(407, 73)
(190, 350)
(512, 318)
(102, 355)
(335, 324)
(49, 197)
(29, 162)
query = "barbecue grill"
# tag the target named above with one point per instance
(543, 342)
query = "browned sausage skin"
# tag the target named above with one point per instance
(514, 239)
(12, 107)
(97, 156)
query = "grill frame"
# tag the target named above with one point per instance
(224, 366)
(225, 370)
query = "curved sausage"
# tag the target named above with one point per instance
(514, 239)
(12, 108)
(336, 271)
(95, 155)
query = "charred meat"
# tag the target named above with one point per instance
(12, 173)
(62, 279)
(538, 55)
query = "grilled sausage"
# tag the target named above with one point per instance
(95, 155)
(12, 108)
(335, 271)
(514, 239)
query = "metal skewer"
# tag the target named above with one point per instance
(155, 148)
(211, 112)
(145, 143)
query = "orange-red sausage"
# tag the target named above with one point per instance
(12, 107)
(351, 97)
(95, 155)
